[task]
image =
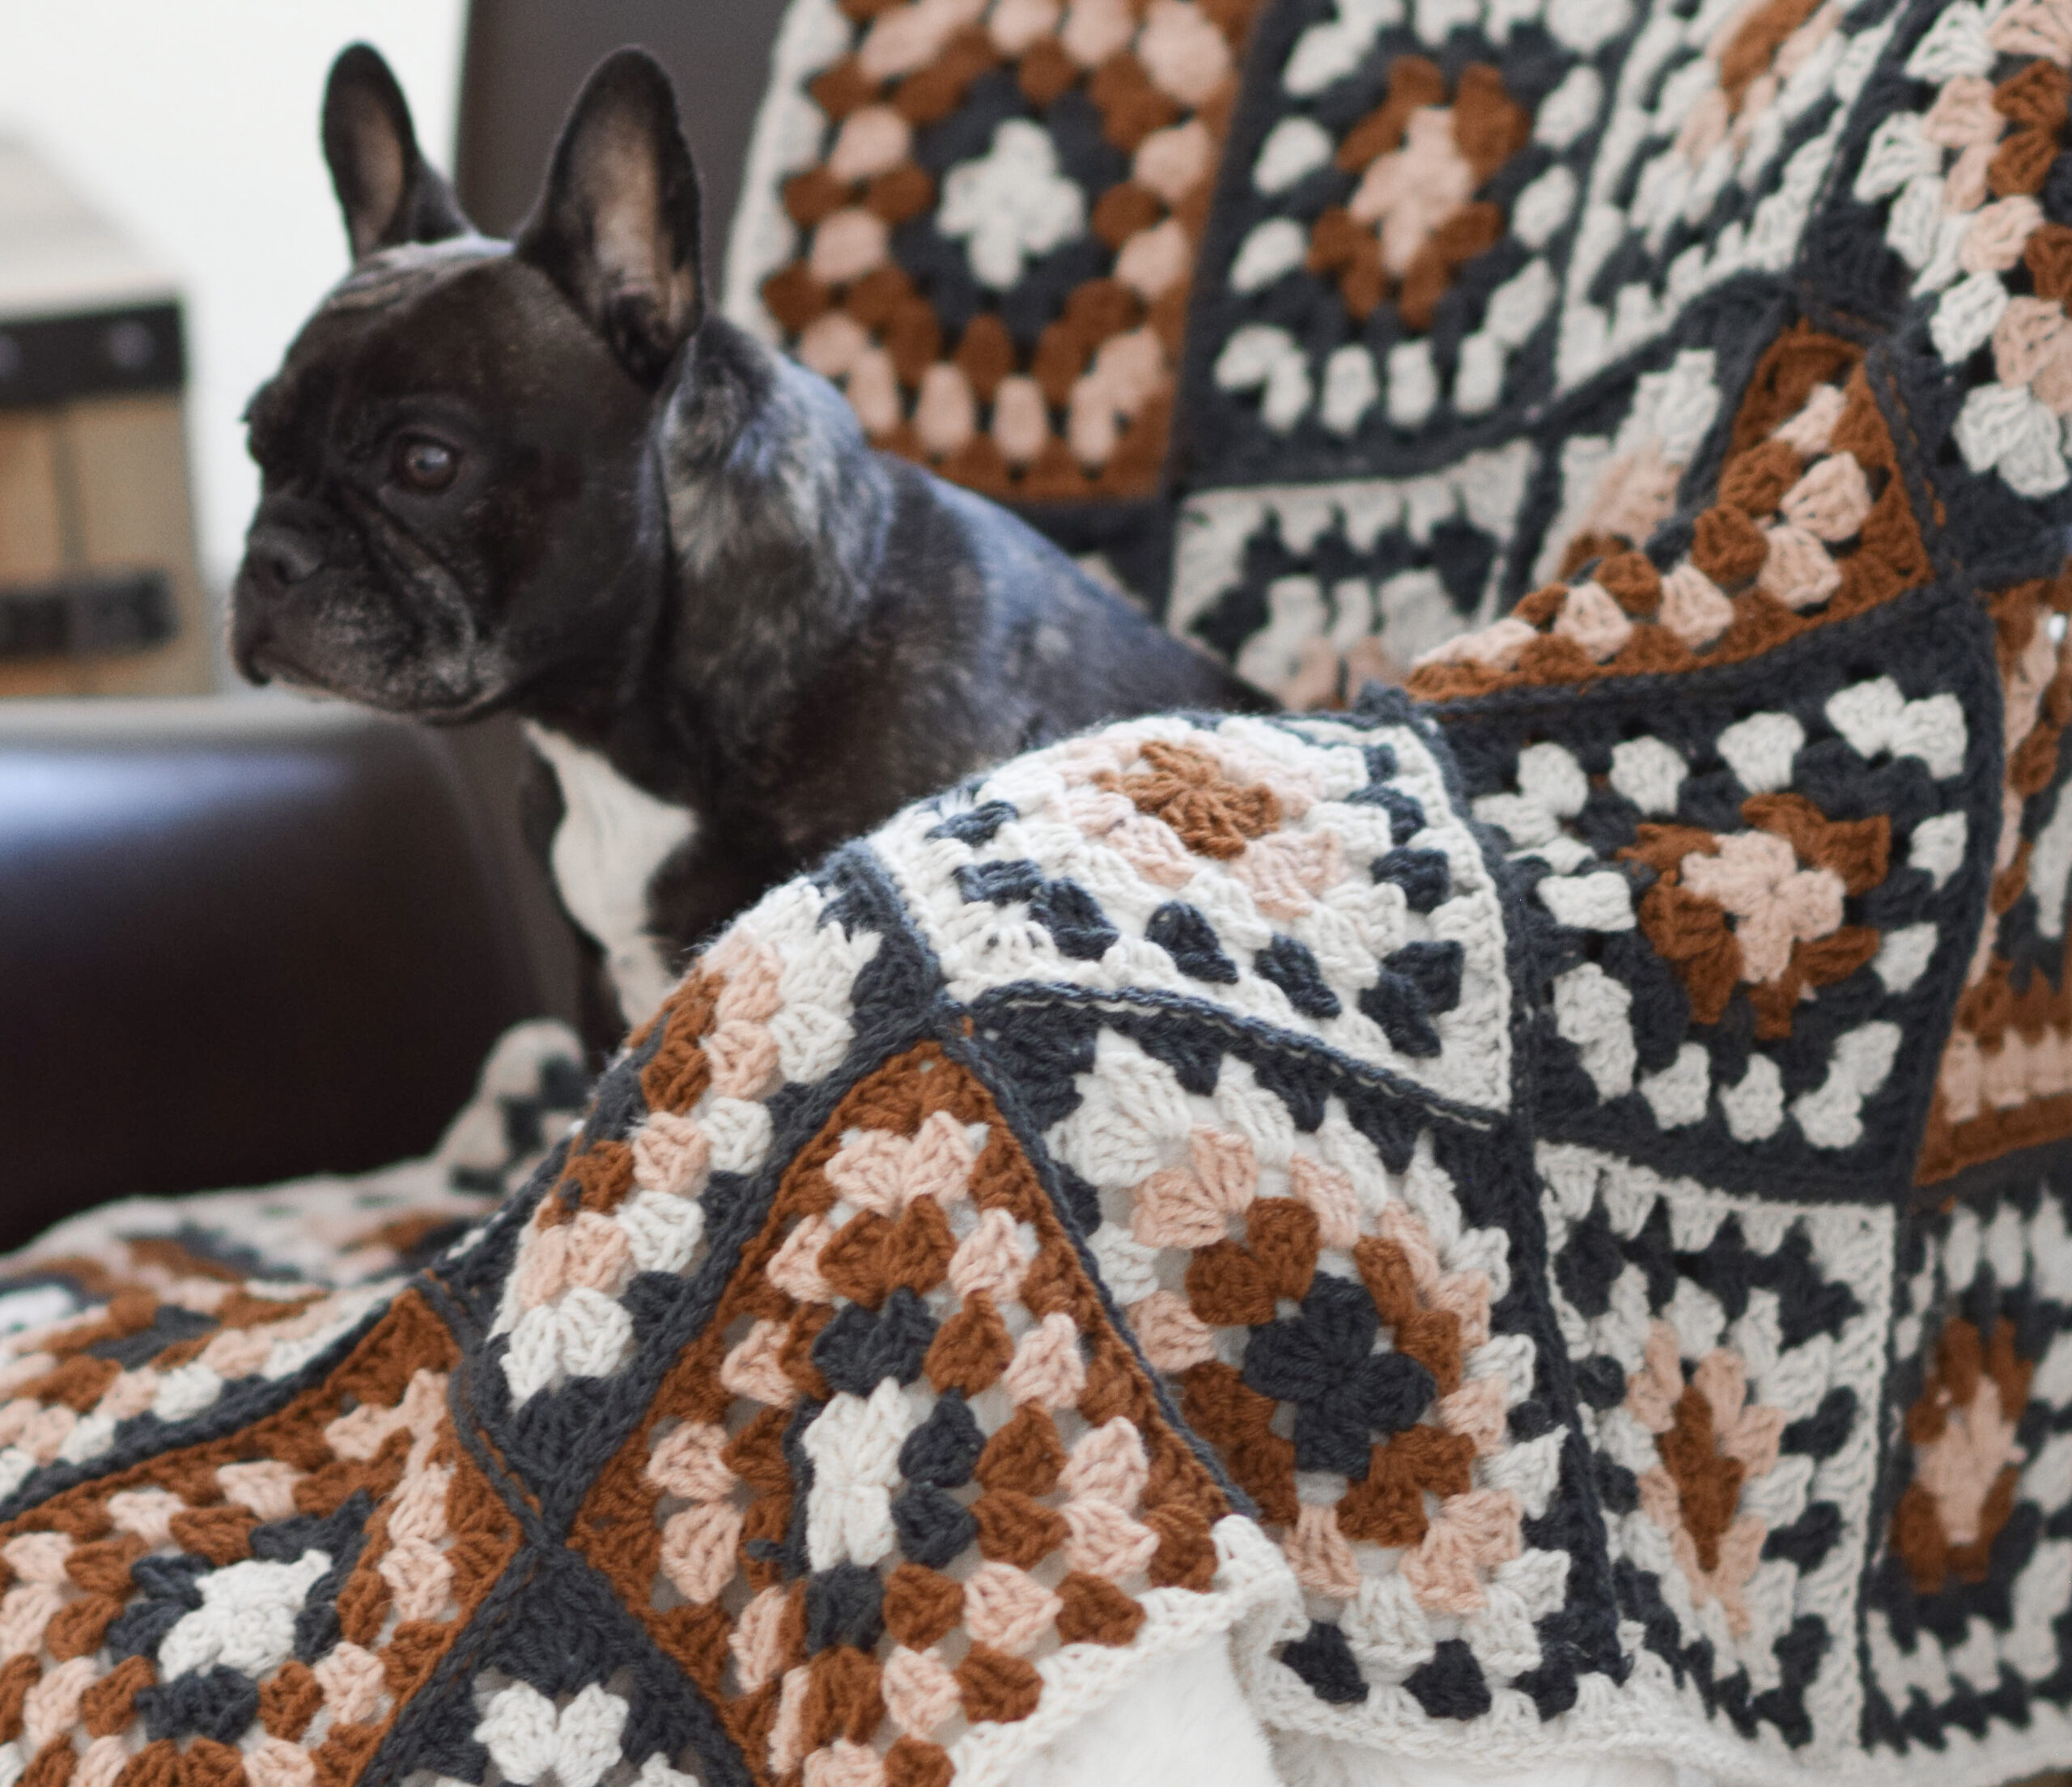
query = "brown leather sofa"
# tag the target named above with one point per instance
(242, 939)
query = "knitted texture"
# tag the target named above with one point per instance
(983, 221)
(1162, 1189)
(1334, 327)
(1541, 1216)
(1683, 390)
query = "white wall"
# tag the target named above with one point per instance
(193, 125)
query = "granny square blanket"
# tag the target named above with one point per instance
(1532, 1206)
(1330, 327)
(1198, 1179)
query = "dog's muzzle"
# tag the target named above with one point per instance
(276, 559)
(280, 556)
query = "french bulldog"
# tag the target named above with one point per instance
(542, 477)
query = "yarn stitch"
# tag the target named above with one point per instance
(1538, 1218)
(1136, 1197)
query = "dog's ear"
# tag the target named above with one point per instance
(389, 192)
(617, 226)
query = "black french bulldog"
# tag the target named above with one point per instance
(541, 477)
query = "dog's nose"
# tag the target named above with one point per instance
(281, 554)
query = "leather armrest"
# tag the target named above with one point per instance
(240, 940)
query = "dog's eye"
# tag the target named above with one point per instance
(425, 464)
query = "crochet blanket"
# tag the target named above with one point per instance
(1197, 1179)
(1331, 329)
(1536, 1214)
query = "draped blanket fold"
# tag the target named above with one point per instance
(1339, 1182)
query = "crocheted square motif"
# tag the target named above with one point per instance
(1325, 1275)
(1487, 293)
(871, 1464)
(1309, 876)
(1964, 1624)
(255, 1599)
(1963, 174)
(1728, 1354)
(1453, 214)
(2006, 1080)
(1747, 895)
(981, 222)
(913, 1434)
(1811, 523)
